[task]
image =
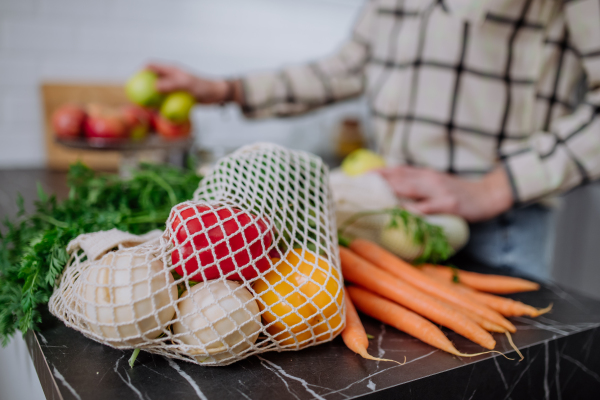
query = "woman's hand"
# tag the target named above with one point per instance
(205, 91)
(440, 193)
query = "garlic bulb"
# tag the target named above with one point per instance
(229, 308)
(127, 298)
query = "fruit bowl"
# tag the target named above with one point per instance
(152, 142)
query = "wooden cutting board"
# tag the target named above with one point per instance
(56, 94)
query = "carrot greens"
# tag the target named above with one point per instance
(32, 247)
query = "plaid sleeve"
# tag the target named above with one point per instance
(569, 154)
(298, 89)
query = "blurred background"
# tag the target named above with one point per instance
(50, 43)
(105, 42)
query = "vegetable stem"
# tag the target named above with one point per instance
(52, 221)
(133, 357)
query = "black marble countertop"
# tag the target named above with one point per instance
(561, 349)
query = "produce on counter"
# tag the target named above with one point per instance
(127, 298)
(67, 121)
(505, 306)
(354, 335)
(401, 269)
(209, 242)
(367, 207)
(385, 282)
(486, 283)
(33, 247)
(214, 312)
(361, 272)
(141, 89)
(402, 319)
(303, 294)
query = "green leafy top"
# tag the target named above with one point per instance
(431, 237)
(32, 251)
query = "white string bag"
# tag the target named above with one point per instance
(249, 265)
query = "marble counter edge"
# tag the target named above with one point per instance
(45, 375)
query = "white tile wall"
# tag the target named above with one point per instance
(108, 40)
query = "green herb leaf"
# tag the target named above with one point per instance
(33, 248)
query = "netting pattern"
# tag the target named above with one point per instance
(249, 265)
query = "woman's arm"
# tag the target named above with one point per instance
(287, 91)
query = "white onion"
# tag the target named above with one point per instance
(455, 228)
(229, 308)
(126, 298)
(400, 241)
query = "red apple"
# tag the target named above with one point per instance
(137, 120)
(172, 130)
(105, 123)
(67, 121)
(154, 114)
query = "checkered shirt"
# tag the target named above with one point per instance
(464, 86)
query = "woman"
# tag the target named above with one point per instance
(470, 103)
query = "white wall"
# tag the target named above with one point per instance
(108, 40)
(18, 379)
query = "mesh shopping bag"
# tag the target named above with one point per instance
(249, 265)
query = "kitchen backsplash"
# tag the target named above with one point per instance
(108, 40)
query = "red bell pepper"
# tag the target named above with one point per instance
(195, 228)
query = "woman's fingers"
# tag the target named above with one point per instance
(160, 69)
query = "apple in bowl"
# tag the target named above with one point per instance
(137, 121)
(104, 123)
(172, 130)
(67, 121)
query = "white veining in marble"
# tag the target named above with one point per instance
(500, 372)
(188, 378)
(282, 372)
(472, 394)
(379, 372)
(515, 383)
(565, 296)
(62, 379)
(546, 361)
(281, 378)
(587, 347)
(128, 381)
(582, 367)
(557, 372)
(371, 385)
(539, 325)
(44, 341)
(380, 350)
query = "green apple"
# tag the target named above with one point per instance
(141, 89)
(361, 161)
(177, 106)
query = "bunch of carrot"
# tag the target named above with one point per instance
(413, 299)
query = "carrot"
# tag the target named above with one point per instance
(489, 283)
(503, 305)
(357, 270)
(508, 307)
(402, 319)
(354, 334)
(403, 270)
(482, 322)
